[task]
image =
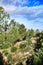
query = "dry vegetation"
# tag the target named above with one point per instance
(19, 46)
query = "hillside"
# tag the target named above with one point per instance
(19, 46)
(19, 52)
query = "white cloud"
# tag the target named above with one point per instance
(20, 2)
(15, 2)
(33, 14)
(9, 8)
(28, 12)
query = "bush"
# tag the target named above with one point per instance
(13, 49)
(29, 60)
(22, 46)
(6, 45)
(5, 52)
(20, 63)
(10, 59)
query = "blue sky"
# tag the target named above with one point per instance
(28, 12)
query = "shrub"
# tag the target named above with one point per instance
(6, 45)
(22, 46)
(10, 59)
(42, 43)
(5, 52)
(13, 49)
(20, 63)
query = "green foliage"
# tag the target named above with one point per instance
(42, 43)
(22, 31)
(11, 33)
(30, 33)
(22, 46)
(10, 59)
(13, 49)
(3, 19)
(20, 63)
(5, 45)
(37, 31)
(39, 57)
(30, 60)
(5, 52)
(39, 42)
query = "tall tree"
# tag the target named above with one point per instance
(4, 16)
(12, 23)
(22, 31)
